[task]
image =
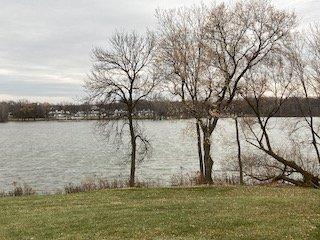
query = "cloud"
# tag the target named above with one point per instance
(308, 11)
(35, 75)
(34, 98)
(45, 46)
(19, 86)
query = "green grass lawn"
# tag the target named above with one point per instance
(186, 213)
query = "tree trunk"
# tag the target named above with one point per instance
(314, 140)
(133, 152)
(239, 152)
(200, 152)
(208, 163)
(309, 180)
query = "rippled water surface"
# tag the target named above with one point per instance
(49, 155)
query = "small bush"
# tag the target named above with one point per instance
(100, 184)
(180, 180)
(19, 190)
(226, 180)
(195, 179)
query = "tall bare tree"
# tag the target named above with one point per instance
(311, 83)
(276, 81)
(305, 54)
(314, 54)
(122, 73)
(214, 50)
(182, 62)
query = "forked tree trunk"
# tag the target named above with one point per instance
(239, 152)
(208, 163)
(200, 152)
(133, 152)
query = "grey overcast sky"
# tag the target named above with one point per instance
(45, 45)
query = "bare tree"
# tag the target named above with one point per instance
(214, 50)
(305, 55)
(314, 54)
(239, 38)
(277, 80)
(182, 62)
(121, 73)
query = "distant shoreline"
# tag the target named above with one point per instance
(115, 119)
(87, 119)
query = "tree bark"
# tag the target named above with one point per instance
(309, 180)
(314, 140)
(208, 163)
(133, 152)
(200, 152)
(239, 152)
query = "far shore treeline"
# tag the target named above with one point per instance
(156, 109)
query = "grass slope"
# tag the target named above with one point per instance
(191, 213)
